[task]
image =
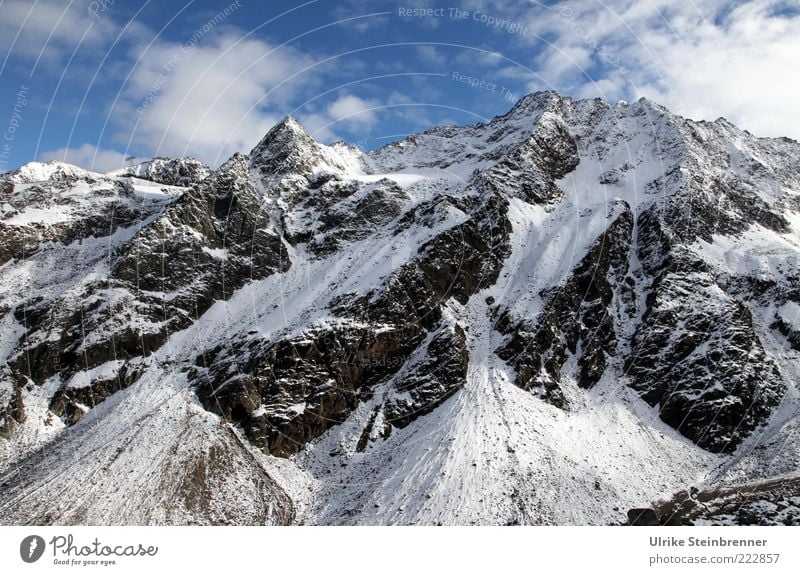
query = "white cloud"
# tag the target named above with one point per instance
(50, 28)
(352, 110)
(481, 56)
(431, 55)
(319, 126)
(347, 113)
(210, 100)
(701, 59)
(88, 157)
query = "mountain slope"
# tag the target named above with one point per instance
(553, 317)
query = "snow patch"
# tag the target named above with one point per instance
(105, 371)
(790, 314)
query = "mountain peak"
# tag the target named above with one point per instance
(289, 123)
(651, 105)
(287, 147)
(183, 172)
(286, 130)
(534, 101)
(42, 171)
(284, 138)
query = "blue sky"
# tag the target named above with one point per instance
(97, 82)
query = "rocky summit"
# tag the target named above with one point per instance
(570, 312)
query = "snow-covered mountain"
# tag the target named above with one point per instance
(568, 312)
(170, 171)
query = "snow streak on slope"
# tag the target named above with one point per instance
(149, 455)
(494, 454)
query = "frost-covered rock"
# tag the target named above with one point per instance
(169, 171)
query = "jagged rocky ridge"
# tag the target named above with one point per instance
(331, 318)
(170, 171)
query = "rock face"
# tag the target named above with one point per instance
(290, 391)
(70, 205)
(769, 502)
(713, 380)
(643, 517)
(479, 308)
(578, 314)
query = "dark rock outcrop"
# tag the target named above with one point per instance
(288, 392)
